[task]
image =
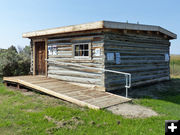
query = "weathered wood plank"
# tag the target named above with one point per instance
(77, 79)
(74, 73)
(72, 93)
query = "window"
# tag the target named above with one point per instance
(81, 50)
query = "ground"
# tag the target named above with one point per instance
(132, 110)
(26, 112)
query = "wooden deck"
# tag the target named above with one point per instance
(79, 95)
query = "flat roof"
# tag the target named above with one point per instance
(99, 25)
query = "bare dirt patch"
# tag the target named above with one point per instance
(31, 110)
(132, 111)
(28, 93)
(24, 91)
(69, 124)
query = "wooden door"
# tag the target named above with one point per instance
(40, 58)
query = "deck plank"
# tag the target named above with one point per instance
(79, 95)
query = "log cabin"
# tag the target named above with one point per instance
(141, 50)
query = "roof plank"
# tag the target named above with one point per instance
(99, 25)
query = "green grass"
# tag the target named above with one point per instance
(1, 79)
(33, 113)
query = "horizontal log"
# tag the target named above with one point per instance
(134, 44)
(135, 38)
(79, 69)
(139, 69)
(64, 52)
(136, 48)
(64, 49)
(77, 79)
(60, 56)
(95, 44)
(74, 73)
(126, 58)
(138, 61)
(137, 53)
(119, 82)
(111, 76)
(134, 65)
(74, 60)
(80, 41)
(87, 63)
(60, 44)
(74, 37)
(137, 84)
(70, 42)
(98, 60)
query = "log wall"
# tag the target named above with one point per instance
(142, 56)
(64, 46)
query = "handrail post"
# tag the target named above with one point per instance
(126, 85)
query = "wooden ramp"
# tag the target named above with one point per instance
(79, 95)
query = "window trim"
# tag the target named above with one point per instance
(82, 57)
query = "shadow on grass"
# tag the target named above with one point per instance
(168, 91)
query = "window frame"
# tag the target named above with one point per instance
(82, 57)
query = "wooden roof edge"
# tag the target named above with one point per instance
(99, 25)
(65, 29)
(139, 27)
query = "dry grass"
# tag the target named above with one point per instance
(175, 65)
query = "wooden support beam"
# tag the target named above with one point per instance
(46, 57)
(34, 60)
(18, 86)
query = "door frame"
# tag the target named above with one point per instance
(35, 53)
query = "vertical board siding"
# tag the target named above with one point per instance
(65, 54)
(142, 56)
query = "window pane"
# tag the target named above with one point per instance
(76, 50)
(80, 53)
(86, 53)
(81, 47)
(76, 47)
(81, 50)
(86, 47)
(76, 53)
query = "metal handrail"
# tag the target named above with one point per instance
(127, 75)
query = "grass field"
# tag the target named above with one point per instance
(32, 113)
(175, 65)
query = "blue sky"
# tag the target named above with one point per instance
(21, 16)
